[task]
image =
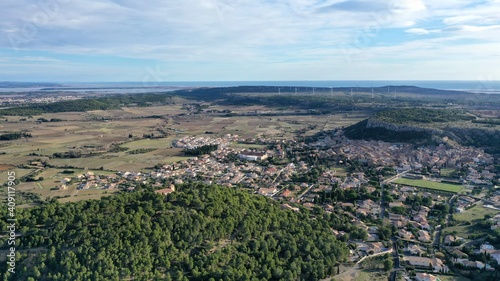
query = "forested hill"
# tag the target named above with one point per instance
(201, 233)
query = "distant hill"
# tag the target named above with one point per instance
(219, 92)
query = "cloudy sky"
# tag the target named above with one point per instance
(243, 40)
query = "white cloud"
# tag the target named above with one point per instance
(409, 5)
(39, 59)
(224, 33)
(419, 31)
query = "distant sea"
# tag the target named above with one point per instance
(488, 87)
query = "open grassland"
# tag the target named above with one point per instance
(476, 213)
(467, 221)
(149, 143)
(339, 171)
(464, 231)
(446, 172)
(362, 275)
(430, 185)
(19, 173)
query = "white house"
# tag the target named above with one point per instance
(253, 156)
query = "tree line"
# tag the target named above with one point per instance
(205, 149)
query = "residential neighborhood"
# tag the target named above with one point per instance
(414, 216)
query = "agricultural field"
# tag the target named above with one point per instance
(98, 131)
(50, 185)
(430, 185)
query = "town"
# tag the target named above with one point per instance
(406, 202)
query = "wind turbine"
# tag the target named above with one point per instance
(373, 96)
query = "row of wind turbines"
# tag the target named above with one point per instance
(352, 91)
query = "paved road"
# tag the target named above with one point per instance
(305, 192)
(394, 177)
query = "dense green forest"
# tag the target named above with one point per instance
(82, 105)
(200, 233)
(422, 115)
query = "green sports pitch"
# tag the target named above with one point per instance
(430, 185)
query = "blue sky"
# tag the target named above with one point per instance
(242, 40)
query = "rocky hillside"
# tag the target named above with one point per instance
(426, 126)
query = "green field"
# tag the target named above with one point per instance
(430, 185)
(148, 143)
(475, 213)
(447, 172)
(467, 221)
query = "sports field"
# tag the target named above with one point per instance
(430, 185)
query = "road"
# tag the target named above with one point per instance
(305, 192)
(394, 177)
(382, 184)
(397, 262)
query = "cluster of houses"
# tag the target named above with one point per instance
(191, 142)
(89, 180)
(387, 154)
(464, 202)
(368, 207)
(29, 99)
(417, 220)
(460, 258)
(484, 177)
(240, 167)
(437, 265)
